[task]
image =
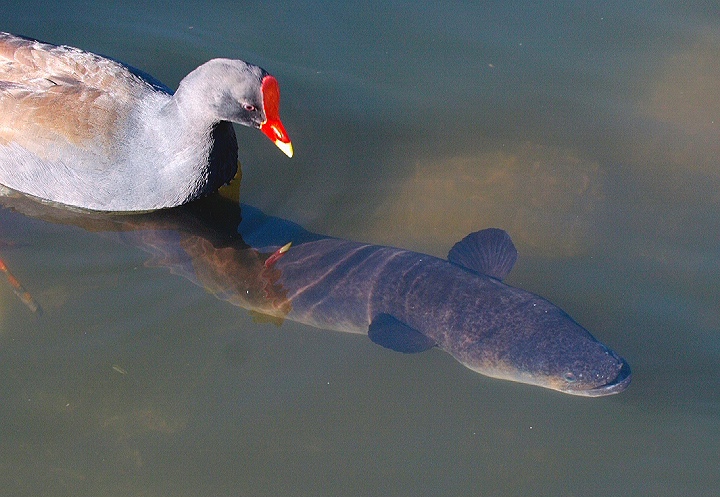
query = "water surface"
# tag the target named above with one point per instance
(589, 132)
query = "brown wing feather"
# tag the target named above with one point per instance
(50, 94)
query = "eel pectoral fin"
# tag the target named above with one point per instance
(489, 251)
(395, 335)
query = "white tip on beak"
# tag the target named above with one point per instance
(285, 147)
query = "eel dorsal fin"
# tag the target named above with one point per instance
(489, 251)
(395, 335)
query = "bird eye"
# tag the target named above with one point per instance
(569, 377)
(249, 107)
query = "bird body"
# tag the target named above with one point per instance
(83, 130)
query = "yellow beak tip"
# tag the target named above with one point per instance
(287, 148)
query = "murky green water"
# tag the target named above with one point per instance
(588, 131)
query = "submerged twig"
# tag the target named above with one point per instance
(19, 290)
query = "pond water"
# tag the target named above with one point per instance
(588, 131)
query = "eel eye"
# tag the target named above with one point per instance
(569, 377)
(249, 107)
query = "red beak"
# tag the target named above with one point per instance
(273, 127)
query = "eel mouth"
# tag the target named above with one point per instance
(620, 383)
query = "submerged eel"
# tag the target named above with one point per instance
(403, 300)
